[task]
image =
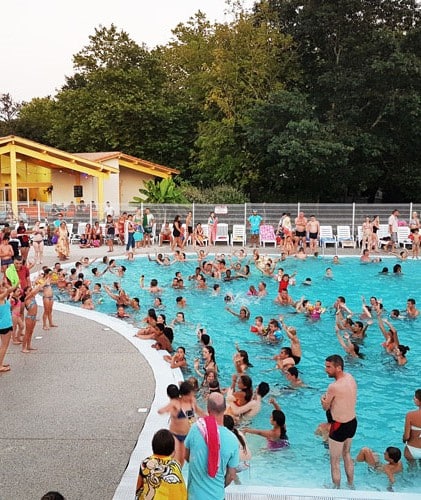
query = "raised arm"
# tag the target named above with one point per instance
(341, 340)
(274, 403)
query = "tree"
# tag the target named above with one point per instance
(9, 110)
(36, 119)
(295, 154)
(360, 67)
(224, 68)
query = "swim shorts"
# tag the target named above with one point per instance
(340, 431)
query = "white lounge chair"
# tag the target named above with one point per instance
(403, 236)
(327, 237)
(222, 233)
(344, 237)
(267, 235)
(383, 235)
(238, 234)
(81, 227)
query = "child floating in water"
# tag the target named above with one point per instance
(392, 456)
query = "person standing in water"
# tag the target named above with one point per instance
(339, 403)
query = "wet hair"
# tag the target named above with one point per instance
(164, 318)
(168, 332)
(173, 391)
(403, 349)
(248, 389)
(336, 360)
(213, 386)
(263, 389)
(245, 357)
(205, 339)
(182, 348)
(163, 442)
(211, 351)
(152, 313)
(154, 282)
(279, 418)
(397, 268)
(186, 388)
(418, 394)
(394, 453)
(357, 350)
(395, 313)
(230, 425)
(287, 351)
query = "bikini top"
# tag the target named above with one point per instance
(415, 428)
(185, 414)
(31, 304)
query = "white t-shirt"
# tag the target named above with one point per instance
(393, 223)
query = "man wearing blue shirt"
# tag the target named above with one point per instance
(212, 452)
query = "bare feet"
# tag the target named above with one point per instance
(4, 368)
(53, 325)
(32, 348)
(16, 342)
(45, 328)
(25, 351)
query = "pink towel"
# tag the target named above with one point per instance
(210, 432)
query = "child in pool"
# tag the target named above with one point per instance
(393, 463)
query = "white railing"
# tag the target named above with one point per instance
(334, 214)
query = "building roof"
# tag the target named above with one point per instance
(131, 162)
(50, 157)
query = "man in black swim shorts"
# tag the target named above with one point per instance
(339, 403)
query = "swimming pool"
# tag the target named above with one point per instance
(385, 390)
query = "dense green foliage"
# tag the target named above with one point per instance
(311, 100)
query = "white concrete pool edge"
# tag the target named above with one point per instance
(279, 493)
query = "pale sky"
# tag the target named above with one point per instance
(39, 37)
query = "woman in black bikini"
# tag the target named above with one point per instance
(177, 233)
(182, 409)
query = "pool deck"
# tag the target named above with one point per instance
(72, 411)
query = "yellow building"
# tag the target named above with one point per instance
(31, 172)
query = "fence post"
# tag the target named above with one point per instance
(193, 215)
(353, 219)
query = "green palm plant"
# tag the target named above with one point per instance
(165, 191)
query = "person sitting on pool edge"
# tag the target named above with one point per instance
(392, 466)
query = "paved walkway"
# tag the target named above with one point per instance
(70, 412)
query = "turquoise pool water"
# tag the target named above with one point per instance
(385, 390)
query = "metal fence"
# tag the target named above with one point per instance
(333, 214)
